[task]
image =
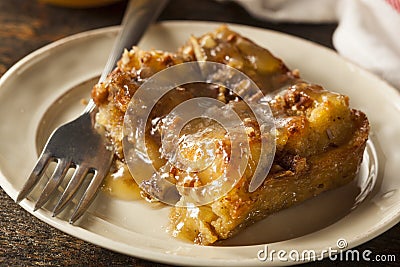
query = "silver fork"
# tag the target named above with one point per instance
(78, 144)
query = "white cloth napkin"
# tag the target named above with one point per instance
(369, 35)
(368, 31)
(310, 11)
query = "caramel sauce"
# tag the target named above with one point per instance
(120, 184)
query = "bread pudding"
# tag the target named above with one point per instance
(319, 139)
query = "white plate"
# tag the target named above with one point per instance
(36, 95)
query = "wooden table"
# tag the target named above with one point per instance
(26, 25)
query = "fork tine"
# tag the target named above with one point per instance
(54, 181)
(88, 196)
(34, 177)
(73, 186)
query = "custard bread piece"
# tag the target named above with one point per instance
(319, 139)
(320, 144)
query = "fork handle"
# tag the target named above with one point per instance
(139, 14)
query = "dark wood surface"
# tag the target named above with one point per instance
(26, 25)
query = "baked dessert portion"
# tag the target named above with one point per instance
(319, 139)
(223, 46)
(320, 143)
